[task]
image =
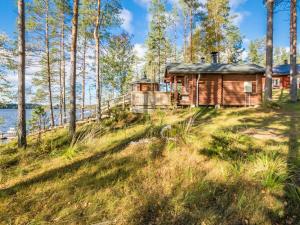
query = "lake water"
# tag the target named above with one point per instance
(9, 118)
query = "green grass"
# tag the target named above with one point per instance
(225, 166)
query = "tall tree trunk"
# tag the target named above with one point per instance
(184, 36)
(191, 34)
(293, 54)
(63, 69)
(175, 44)
(62, 73)
(97, 52)
(83, 77)
(48, 65)
(72, 127)
(269, 51)
(61, 77)
(21, 76)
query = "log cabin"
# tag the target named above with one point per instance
(281, 76)
(213, 84)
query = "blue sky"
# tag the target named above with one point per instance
(251, 19)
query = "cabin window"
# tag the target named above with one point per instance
(276, 82)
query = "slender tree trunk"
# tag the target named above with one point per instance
(61, 78)
(72, 127)
(63, 69)
(175, 44)
(48, 65)
(269, 51)
(97, 52)
(184, 36)
(191, 34)
(293, 52)
(83, 77)
(21, 76)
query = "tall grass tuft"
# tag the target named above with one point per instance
(270, 170)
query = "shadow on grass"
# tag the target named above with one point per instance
(204, 202)
(75, 165)
(292, 186)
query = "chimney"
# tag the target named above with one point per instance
(286, 62)
(215, 57)
(202, 59)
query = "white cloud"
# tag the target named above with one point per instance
(140, 50)
(126, 17)
(236, 3)
(144, 3)
(239, 17)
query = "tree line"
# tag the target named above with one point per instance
(206, 28)
(55, 36)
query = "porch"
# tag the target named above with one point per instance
(182, 89)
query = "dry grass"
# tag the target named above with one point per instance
(226, 166)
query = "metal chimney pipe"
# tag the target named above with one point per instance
(214, 57)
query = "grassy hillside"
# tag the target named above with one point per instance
(185, 166)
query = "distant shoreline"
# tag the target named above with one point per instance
(15, 106)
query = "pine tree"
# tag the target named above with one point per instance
(7, 65)
(257, 50)
(21, 75)
(157, 42)
(269, 50)
(192, 7)
(233, 44)
(293, 51)
(97, 54)
(85, 37)
(118, 63)
(174, 19)
(43, 36)
(63, 11)
(72, 127)
(214, 24)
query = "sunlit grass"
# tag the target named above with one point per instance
(184, 166)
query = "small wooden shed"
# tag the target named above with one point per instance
(215, 84)
(145, 84)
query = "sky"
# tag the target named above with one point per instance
(251, 18)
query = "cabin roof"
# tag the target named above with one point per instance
(217, 68)
(284, 69)
(144, 81)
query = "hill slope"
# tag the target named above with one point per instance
(226, 166)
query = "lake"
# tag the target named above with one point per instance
(9, 118)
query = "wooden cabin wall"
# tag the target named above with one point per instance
(228, 90)
(233, 90)
(145, 87)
